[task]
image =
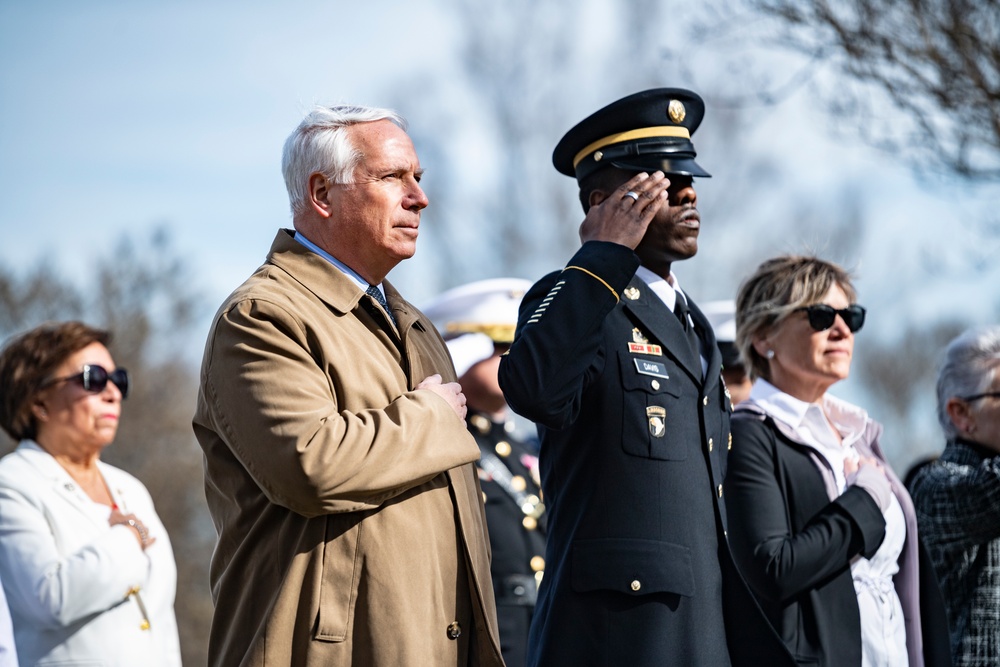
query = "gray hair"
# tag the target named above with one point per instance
(777, 288)
(970, 366)
(321, 145)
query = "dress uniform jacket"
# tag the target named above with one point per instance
(341, 541)
(633, 452)
(516, 521)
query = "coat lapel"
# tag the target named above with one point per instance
(644, 305)
(57, 478)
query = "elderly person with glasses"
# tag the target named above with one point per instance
(819, 525)
(957, 497)
(86, 564)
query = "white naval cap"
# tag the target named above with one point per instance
(474, 316)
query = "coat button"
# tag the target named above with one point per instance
(503, 448)
(720, 490)
(635, 585)
(454, 630)
(705, 401)
(730, 441)
(517, 483)
(711, 443)
(537, 563)
(529, 523)
(655, 384)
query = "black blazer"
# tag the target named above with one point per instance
(794, 546)
(633, 455)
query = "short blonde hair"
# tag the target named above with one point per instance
(777, 288)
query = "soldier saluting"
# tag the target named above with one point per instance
(621, 372)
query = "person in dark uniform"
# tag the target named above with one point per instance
(722, 316)
(621, 373)
(477, 320)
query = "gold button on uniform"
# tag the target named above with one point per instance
(537, 564)
(454, 630)
(705, 401)
(720, 490)
(711, 443)
(636, 585)
(503, 448)
(730, 441)
(655, 384)
(529, 523)
(517, 483)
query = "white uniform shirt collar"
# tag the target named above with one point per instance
(665, 289)
(346, 270)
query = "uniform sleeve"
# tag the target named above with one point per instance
(778, 564)
(53, 588)
(277, 410)
(959, 505)
(557, 345)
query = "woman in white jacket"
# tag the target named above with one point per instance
(86, 565)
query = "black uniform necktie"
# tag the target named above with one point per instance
(375, 293)
(681, 311)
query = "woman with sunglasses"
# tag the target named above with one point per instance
(85, 563)
(821, 528)
(958, 495)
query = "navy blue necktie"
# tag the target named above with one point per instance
(375, 293)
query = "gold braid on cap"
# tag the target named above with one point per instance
(641, 133)
(498, 333)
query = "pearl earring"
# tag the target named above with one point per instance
(769, 354)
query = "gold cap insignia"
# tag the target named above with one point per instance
(631, 293)
(676, 111)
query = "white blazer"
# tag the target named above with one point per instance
(68, 574)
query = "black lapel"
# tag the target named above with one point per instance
(643, 304)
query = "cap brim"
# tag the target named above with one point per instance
(681, 166)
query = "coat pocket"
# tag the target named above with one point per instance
(339, 581)
(632, 567)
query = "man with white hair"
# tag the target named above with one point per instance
(338, 468)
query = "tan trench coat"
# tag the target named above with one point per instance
(351, 528)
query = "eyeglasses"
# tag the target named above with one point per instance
(95, 378)
(822, 316)
(976, 397)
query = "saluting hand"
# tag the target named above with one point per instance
(450, 391)
(625, 214)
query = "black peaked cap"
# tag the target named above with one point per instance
(644, 131)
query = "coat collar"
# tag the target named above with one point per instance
(640, 301)
(328, 283)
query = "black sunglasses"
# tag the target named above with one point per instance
(95, 378)
(822, 316)
(976, 397)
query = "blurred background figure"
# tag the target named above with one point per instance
(477, 321)
(957, 497)
(820, 526)
(722, 316)
(8, 653)
(86, 565)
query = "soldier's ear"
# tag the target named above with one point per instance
(596, 197)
